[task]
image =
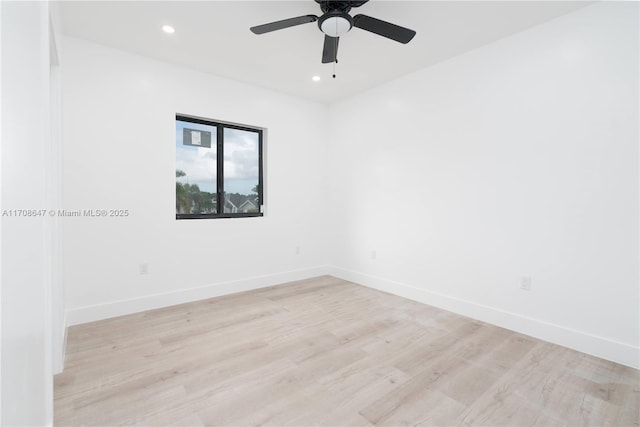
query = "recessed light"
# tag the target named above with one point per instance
(315, 78)
(168, 29)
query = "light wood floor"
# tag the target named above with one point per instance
(328, 352)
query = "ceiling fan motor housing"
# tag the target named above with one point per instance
(344, 5)
(335, 23)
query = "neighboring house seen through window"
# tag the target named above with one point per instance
(218, 169)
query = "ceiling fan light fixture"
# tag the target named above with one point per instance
(335, 24)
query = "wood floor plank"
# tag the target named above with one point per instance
(327, 352)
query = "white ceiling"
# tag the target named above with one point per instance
(214, 37)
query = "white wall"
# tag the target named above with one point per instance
(58, 312)
(517, 159)
(27, 387)
(1, 118)
(119, 153)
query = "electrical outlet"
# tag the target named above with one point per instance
(374, 254)
(525, 283)
(144, 268)
(297, 250)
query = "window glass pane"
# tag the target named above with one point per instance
(241, 171)
(196, 168)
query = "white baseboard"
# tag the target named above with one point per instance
(598, 346)
(92, 313)
(594, 345)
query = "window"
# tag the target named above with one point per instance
(218, 169)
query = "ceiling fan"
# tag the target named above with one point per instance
(336, 22)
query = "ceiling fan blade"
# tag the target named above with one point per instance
(383, 28)
(285, 23)
(330, 49)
